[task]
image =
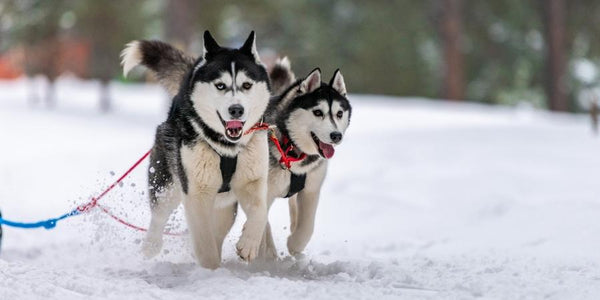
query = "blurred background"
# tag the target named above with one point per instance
(542, 53)
(470, 169)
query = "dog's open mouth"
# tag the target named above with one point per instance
(233, 128)
(326, 150)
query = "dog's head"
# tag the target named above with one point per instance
(317, 114)
(229, 88)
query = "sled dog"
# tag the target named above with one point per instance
(311, 118)
(201, 156)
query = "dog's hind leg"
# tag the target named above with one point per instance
(293, 206)
(267, 250)
(162, 205)
(305, 221)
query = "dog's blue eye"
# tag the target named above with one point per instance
(318, 113)
(220, 86)
(340, 114)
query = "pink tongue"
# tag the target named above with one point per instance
(326, 149)
(233, 124)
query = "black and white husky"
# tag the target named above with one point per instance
(201, 156)
(311, 117)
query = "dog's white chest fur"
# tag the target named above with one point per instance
(202, 165)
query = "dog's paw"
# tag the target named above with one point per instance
(151, 247)
(211, 264)
(295, 245)
(247, 248)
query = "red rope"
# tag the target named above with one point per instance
(94, 202)
(87, 206)
(138, 228)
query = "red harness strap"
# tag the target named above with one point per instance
(285, 159)
(258, 126)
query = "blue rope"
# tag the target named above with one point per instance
(48, 224)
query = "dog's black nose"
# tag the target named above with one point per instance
(236, 111)
(336, 136)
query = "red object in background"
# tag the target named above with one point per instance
(73, 56)
(9, 68)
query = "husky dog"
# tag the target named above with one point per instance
(311, 118)
(201, 156)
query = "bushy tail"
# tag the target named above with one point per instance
(281, 76)
(170, 65)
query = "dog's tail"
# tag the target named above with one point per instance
(281, 76)
(170, 65)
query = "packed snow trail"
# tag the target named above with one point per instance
(423, 199)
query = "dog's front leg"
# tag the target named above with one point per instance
(302, 231)
(199, 205)
(253, 200)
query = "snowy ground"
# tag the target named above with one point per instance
(423, 200)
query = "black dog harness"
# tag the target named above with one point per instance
(296, 184)
(228, 166)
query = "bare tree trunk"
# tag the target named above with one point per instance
(554, 24)
(50, 93)
(32, 91)
(180, 24)
(451, 30)
(105, 103)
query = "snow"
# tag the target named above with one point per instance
(585, 70)
(424, 199)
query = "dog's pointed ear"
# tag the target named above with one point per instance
(311, 82)
(249, 46)
(210, 45)
(337, 83)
